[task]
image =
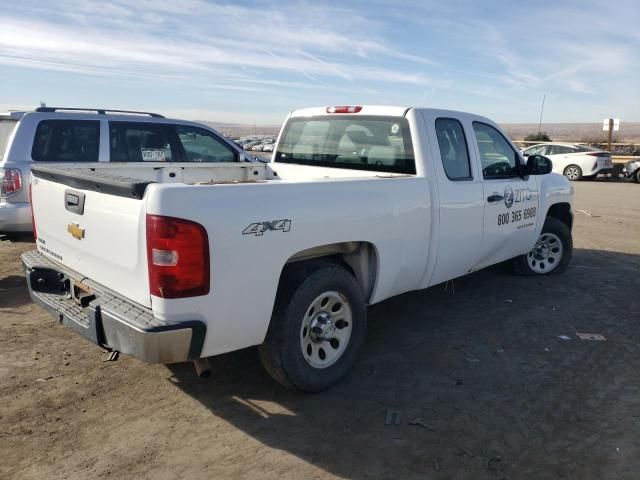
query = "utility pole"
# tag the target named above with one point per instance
(610, 130)
(541, 110)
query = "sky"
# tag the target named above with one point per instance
(253, 62)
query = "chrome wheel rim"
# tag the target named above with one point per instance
(326, 329)
(572, 173)
(546, 255)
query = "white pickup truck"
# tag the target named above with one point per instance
(179, 262)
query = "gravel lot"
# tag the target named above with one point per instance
(483, 384)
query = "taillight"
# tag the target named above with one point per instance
(11, 182)
(178, 257)
(598, 154)
(344, 109)
(33, 218)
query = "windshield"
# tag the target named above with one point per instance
(381, 144)
(6, 129)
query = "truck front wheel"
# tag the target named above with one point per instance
(551, 254)
(317, 328)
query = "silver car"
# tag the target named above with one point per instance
(70, 135)
(632, 170)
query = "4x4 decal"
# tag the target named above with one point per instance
(259, 228)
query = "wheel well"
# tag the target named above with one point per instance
(360, 258)
(562, 211)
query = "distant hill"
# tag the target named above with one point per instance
(575, 132)
(240, 130)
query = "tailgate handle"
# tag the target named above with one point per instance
(74, 201)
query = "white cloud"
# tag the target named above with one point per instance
(174, 39)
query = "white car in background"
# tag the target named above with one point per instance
(573, 161)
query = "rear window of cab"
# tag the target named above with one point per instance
(374, 143)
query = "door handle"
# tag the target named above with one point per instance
(495, 198)
(74, 201)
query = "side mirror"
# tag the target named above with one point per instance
(538, 165)
(525, 154)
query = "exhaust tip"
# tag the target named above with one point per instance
(203, 369)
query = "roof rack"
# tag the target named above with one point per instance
(101, 111)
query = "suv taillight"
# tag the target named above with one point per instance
(33, 218)
(11, 182)
(177, 257)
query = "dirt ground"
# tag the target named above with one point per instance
(480, 381)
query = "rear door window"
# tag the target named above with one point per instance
(66, 141)
(453, 149)
(559, 150)
(142, 142)
(200, 145)
(537, 150)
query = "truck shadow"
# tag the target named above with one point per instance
(13, 291)
(468, 381)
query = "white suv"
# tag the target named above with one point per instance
(73, 135)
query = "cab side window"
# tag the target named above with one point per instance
(202, 146)
(453, 149)
(66, 141)
(497, 156)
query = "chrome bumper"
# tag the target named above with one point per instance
(106, 318)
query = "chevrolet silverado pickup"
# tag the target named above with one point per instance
(171, 263)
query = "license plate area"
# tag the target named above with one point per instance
(81, 293)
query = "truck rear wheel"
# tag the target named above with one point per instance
(317, 328)
(551, 254)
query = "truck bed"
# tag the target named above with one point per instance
(131, 180)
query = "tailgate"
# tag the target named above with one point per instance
(99, 235)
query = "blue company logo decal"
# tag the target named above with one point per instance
(508, 196)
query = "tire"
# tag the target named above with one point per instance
(551, 254)
(636, 176)
(573, 172)
(303, 327)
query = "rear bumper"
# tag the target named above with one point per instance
(107, 319)
(629, 170)
(15, 217)
(600, 171)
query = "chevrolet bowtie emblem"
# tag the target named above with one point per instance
(75, 231)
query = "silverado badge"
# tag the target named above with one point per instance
(75, 231)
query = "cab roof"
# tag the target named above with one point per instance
(381, 110)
